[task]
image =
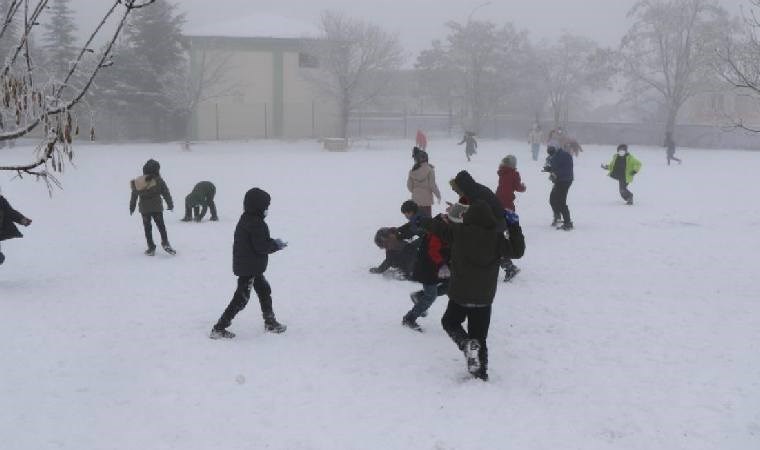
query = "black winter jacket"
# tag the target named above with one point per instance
(474, 191)
(8, 218)
(475, 255)
(253, 245)
(433, 253)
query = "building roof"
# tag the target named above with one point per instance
(256, 26)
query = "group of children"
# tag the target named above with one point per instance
(251, 248)
(458, 253)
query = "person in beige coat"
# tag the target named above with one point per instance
(421, 183)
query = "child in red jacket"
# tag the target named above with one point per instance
(509, 183)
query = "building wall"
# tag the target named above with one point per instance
(271, 97)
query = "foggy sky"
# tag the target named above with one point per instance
(418, 22)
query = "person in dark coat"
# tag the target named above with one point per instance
(432, 270)
(411, 229)
(477, 246)
(149, 189)
(250, 258)
(399, 254)
(472, 145)
(9, 217)
(199, 201)
(560, 168)
(670, 148)
(466, 187)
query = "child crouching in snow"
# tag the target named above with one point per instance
(250, 257)
(477, 246)
(399, 254)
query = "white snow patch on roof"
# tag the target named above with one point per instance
(257, 25)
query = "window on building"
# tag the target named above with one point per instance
(307, 61)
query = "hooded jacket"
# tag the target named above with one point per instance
(253, 245)
(509, 183)
(421, 183)
(475, 255)
(202, 194)
(8, 218)
(632, 166)
(561, 165)
(473, 192)
(149, 189)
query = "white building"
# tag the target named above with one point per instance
(269, 96)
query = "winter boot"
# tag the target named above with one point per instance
(415, 296)
(566, 226)
(410, 322)
(271, 325)
(186, 219)
(472, 353)
(629, 201)
(221, 334)
(151, 251)
(168, 248)
(557, 220)
(2, 258)
(510, 272)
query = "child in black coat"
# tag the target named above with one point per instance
(250, 257)
(9, 217)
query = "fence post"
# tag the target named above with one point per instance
(216, 119)
(406, 122)
(266, 121)
(313, 119)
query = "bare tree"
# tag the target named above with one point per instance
(201, 79)
(739, 62)
(30, 102)
(480, 60)
(570, 68)
(670, 49)
(356, 60)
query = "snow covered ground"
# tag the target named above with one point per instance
(638, 330)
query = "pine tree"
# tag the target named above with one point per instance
(149, 57)
(59, 39)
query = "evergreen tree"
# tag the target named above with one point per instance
(150, 56)
(59, 39)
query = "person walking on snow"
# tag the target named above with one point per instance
(421, 183)
(535, 138)
(670, 148)
(560, 168)
(199, 201)
(8, 218)
(477, 245)
(472, 145)
(421, 140)
(250, 257)
(623, 167)
(509, 183)
(149, 189)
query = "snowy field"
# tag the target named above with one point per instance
(638, 330)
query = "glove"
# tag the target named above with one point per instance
(280, 244)
(374, 270)
(444, 272)
(131, 211)
(26, 221)
(511, 217)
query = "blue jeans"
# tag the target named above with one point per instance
(427, 296)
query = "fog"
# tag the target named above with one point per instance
(418, 22)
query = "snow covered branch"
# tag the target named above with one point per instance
(29, 100)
